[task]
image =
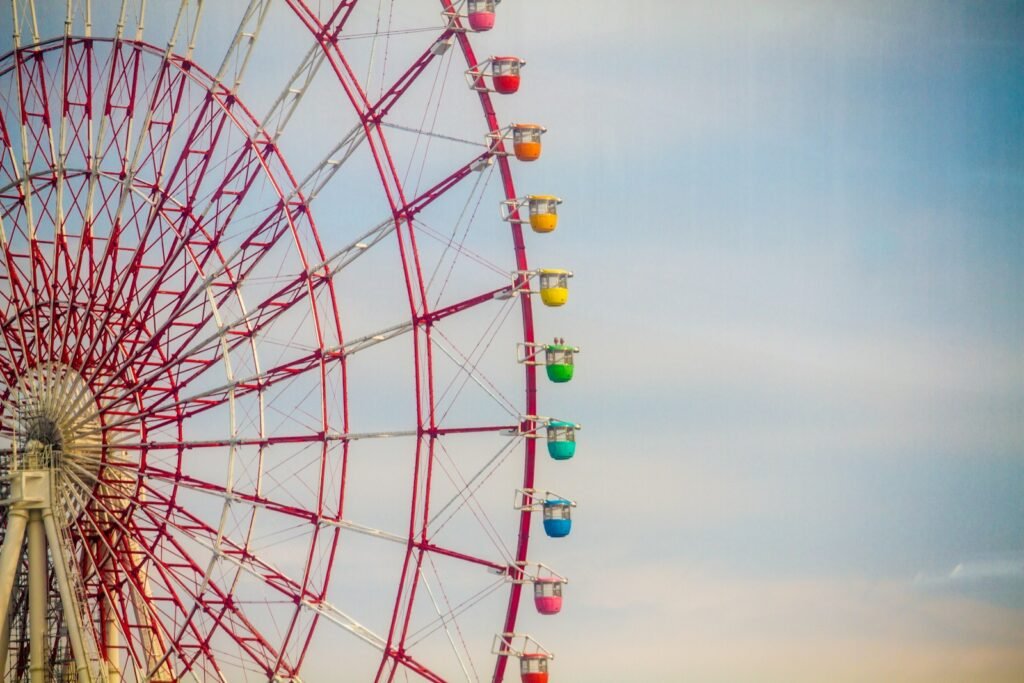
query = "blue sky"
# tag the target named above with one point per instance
(798, 231)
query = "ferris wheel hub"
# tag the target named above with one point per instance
(44, 433)
(58, 430)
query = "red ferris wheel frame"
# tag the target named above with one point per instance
(131, 414)
(371, 113)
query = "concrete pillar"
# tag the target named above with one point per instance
(38, 590)
(10, 554)
(68, 599)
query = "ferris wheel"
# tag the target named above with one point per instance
(269, 365)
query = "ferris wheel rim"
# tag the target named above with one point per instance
(386, 165)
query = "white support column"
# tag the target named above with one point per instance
(5, 642)
(10, 554)
(10, 558)
(38, 589)
(111, 640)
(68, 598)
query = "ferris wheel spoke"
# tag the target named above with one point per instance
(199, 306)
(322, 173)
(12, 321)
(66, 255)
(280, 439)
(245, 559)
(37, 152)
(247, 257)
(111, 572)
(146, 168)
(154, 625)
(350, 84)
(163, 509)
(263, 502)
(287, 102)
(37, 144)
(325, 23)
(505, 566)
(167, 409)
(426, 198)
(401, 85)
(438, 314)
(16, 208)
(138, 15)
(64, 273)
(239, 51)
(73, 145)
(185, 628)
(23, 326)
(324, 32)
(396, 651)
(178, 568)
(194, 303)
(121, 93)
(230, 334)
(107, 159)
(23, 15)
(194, 21)
(233, 495)
(17, 348)
(469, 368)
(444, 617)
(152, 546)
(175, 208)
(460, 250)
(204, 235)
(465, 494)
(152, 148)
(211, 398)
(12, 194)
(177, 292)
(465, 498)
(455, 554)
(346, 255)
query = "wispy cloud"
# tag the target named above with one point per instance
(697, 627)
(998, 579)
